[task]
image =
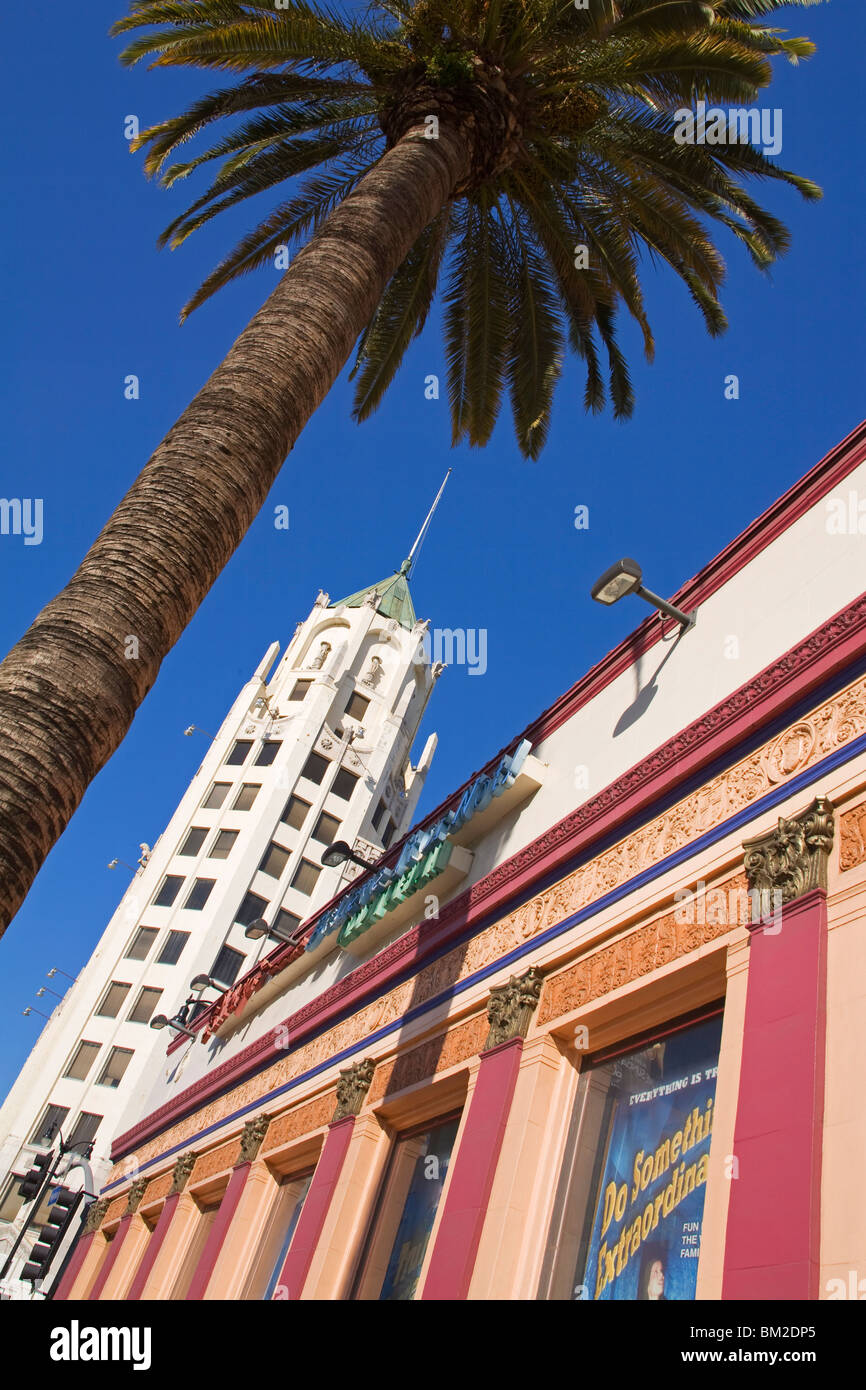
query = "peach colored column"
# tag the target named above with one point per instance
(89, 1268)
(773, 1238)
(154, 1245)
(218, 1232)
(125, 1264)
(471, 1179)
(181, 1225)
(294, 1273)
(244, 1234)
(108, 1263)
(514, 1232)
(348, 1208)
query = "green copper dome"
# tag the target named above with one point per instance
(395, 601)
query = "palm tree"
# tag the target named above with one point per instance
(524, 149)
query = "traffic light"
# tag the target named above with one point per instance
(64, 1205)
(30, 1185)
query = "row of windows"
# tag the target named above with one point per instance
(140, 946)
(115, 996)
(113, 1070)
(81, 1134)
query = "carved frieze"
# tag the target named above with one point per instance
(792, 858)
(852, 837)
(511, 1006)
(352, 1087)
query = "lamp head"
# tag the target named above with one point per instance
(337, 853)
(621, 579)
(257, 929)
(159, 1021)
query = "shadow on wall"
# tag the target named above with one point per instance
(645, 694)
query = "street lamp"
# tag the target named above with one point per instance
(259, 928)
(338, 853)
(159, 1021)
(625, 578)
(199, 983)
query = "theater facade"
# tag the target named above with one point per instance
(592, 1030)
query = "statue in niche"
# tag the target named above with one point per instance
(319, 660)
(374, 675)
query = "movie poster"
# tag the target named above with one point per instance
(648, 1199)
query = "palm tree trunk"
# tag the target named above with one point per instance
(70, 687)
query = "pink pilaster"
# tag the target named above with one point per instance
(294, 1273)
(153, 1247)
(111, 1255)
(218, 1232)
(772, 1247)
(70, 1274)
(451, 1264)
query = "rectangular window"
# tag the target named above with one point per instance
(84, 1130)
(295, 812)
(196, 1241)
(344, 784)
(194, 840)
(274, 860)
(217, 795)
(299, 690)
(199, 894)
(252, 907)
(388, 832)
(113, 1000)
(172, 947)
(404, 1216)
(286, 922)
(246, 796)
(222, 845)
(82, 1060)
(268, 752)
(327, 829)
(315, 767)
(168, 890)
(119, 1059)
(47, 1128)
(145, 1006)
(227, 965)
(357, 706)
(239, 752)
(139, 946)
(273, 1245)
(634, 1175)
(11, 1200)
(380, 813)
(306, 876)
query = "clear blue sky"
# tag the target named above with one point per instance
(89, 299)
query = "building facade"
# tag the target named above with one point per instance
(315, 748)
(594, 1028)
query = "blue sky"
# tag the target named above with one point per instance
(89, 299)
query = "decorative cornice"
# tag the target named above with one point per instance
(135, 1194)
(252, 1138)
(352, 1087)
(819, 657)
(792, 858)
(181, 1172)
(511, 1006)
(96, 1214)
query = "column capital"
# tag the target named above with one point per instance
(96, 1214)
(792, 858)
(135, 1195)
(511, 1006)
(252, 1137)
(352, 1088)
(182, 1170)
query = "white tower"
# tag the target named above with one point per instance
(315, 748)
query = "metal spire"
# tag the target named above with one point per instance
(410, 560)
